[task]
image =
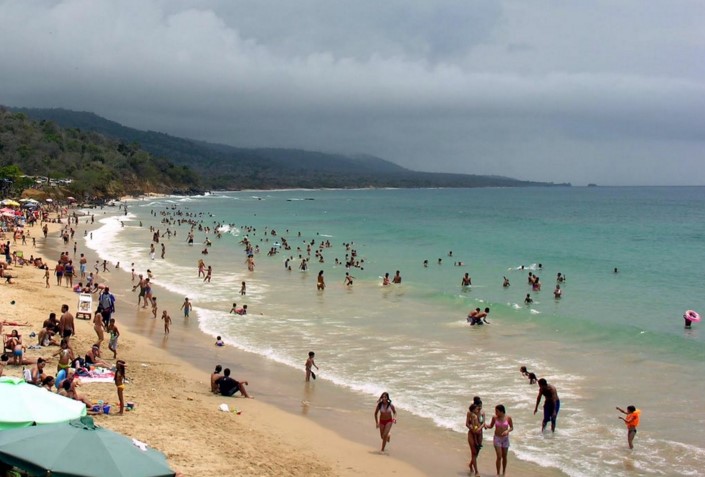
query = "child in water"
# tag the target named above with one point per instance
(219, 341)
(310, 363)
(632, 422)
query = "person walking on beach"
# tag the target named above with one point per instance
(186, 306)
(98, 327)
(106, 303)
(503, 425)
(387, 416)
(473, 424)
(209, 272)
(167, 321)
(243, 289)
(114, 335)
(632, 422)
(551, 404)
(310, 363)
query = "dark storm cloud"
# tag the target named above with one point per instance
(607, 92)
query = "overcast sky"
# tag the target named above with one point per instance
(605, 91)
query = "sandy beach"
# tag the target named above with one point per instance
(176, 413)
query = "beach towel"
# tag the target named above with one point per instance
(98, 375)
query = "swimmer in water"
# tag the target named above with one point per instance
(466, 281)
(505, 283)
(557, 293)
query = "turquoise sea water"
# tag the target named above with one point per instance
(612, 340)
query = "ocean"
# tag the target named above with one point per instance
(613, 339)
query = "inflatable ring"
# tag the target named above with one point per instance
(691, 315)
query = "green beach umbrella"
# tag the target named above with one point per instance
(79, 448)
(25, 405)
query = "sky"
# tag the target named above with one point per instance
(604, 91)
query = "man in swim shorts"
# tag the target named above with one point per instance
(551, 404)
(187, 307)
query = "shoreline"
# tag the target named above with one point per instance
(419, 442)
(168, 391)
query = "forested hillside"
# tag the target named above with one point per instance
(227, 167)
(93, 164)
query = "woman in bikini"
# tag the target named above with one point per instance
(502, 427)
(387, 416)
(120, 384)
(473, 424)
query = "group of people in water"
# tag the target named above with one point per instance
(386, 414)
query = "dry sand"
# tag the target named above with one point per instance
(176, 413)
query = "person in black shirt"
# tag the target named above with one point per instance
(228, 386)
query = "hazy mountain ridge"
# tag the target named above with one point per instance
(228, 167)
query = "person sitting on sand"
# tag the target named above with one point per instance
(69, 389)
(14, 342)
(228, 386)
(3, 274)
(214, 377)
(37, 374)
(48, 383)
(93, 357)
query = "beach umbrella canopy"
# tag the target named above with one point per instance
(11, 203)
(50, 200)
(8, 214)
(24, 405)
(80, 448)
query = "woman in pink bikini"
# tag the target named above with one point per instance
(502, 427)
(387, 413)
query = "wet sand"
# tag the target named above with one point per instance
(312, 429)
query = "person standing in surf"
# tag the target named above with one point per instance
(632, 422)
(309, 364)
(551, 404)
(387, 416)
